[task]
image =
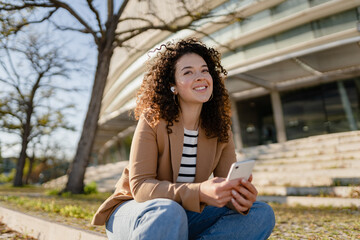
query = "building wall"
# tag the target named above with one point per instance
(282, 49)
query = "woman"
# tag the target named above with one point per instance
(182, 137)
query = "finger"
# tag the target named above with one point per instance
(224, 194)
(247, 194)
(249, 186)
(221, 202)
(238, 207)
(241, 200)
(233, 183)
(225, 200)
(250, 178)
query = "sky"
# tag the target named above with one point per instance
(81, 46)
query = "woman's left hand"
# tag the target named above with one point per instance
(244, 195)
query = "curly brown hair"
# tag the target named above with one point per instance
(155, 100)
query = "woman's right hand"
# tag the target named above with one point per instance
(217, 191)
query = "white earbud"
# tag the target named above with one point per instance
(172, 89)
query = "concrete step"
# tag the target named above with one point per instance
(329, 156)
(310, 152)
(105, 176)
(303, 166)
(344, 192)
(338, 142)
(318, 177)
(312, 201)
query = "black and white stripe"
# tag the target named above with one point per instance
(188, 159)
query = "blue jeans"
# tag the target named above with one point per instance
(166, 219)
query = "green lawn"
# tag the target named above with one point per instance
(291, 222)
(316, 223)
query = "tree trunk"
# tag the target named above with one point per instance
(76, 174)
(31, 163)
(18, 180)
(20, 165)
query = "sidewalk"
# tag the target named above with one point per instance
(43, 229)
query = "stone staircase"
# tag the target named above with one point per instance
(105, 176)
(326, 165)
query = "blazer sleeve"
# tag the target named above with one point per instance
(227, 157)
(144, 184)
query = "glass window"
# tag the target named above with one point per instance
(328, 108)
(317, 2)
(353, 93)
(260, 47)
(303, 113)
(256, 121)
(255, 21)
(224, 35)
(299, 34)
(335, 23)
(288, 7)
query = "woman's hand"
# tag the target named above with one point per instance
(244, 195)
(217, 191)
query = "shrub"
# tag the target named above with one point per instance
(90, 188)
(7, 177)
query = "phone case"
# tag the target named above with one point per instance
(241, 169)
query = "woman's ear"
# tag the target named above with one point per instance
(172, 89)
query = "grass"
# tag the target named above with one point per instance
(292, 222)
(316, 222)
(74, 210)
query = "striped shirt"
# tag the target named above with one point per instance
(188, 159)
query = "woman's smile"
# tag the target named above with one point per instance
(194, 83)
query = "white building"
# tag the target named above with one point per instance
(293, 72)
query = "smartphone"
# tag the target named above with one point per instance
(242, 169)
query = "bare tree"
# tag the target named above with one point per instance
(120, 22)
(30, 69)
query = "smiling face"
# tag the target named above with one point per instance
(194, 83)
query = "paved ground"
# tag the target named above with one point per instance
(7, 233)
(43, 229)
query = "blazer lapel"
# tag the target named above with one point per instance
(205, 156)
(176, 141)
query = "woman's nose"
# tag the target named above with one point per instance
(199, 76)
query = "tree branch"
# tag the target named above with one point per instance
(21, 25)
(76, 16)
(213, 39)
(121, 9)
(93, 9)
(63, 28)
(26, 4)
(136, 18)
(17, 80)
(110, 8)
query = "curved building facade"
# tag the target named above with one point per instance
(293, 72)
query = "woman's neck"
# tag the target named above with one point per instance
(191, 118)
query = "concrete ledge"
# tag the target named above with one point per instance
(44, 229)
(341, 191)
(312, 201)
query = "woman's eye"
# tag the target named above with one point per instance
(187, 72)
(205, 70)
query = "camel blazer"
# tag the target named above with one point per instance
(155, 159)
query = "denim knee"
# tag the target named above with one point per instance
(267, 216)
(171, 209)
(168, 218)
